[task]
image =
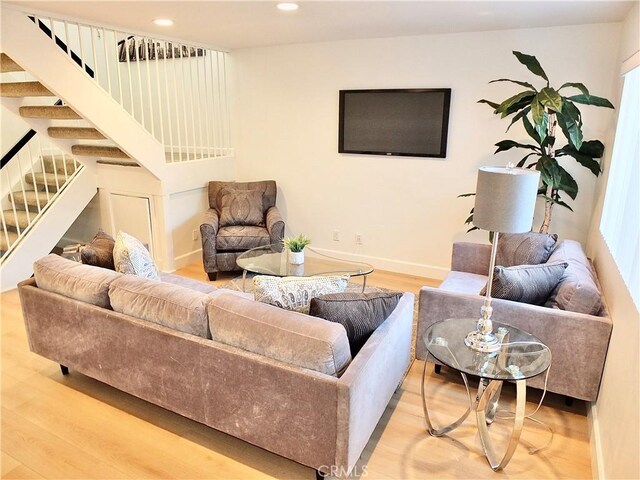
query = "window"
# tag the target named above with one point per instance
(620, 224)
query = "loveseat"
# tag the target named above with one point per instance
(278, 379)
(578, 341)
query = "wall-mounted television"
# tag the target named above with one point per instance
(406, 122)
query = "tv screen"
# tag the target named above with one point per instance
(394, 122)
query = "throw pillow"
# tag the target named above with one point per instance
(295, 293)
(359, 313)
(529, 248)
(132, 258)
(526, 283)
(240, 207)
(99, 252)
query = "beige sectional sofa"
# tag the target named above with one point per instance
(280, 380)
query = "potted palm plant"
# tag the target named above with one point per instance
(295, 247)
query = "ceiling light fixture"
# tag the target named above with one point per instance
(287, 6)
(163, 22)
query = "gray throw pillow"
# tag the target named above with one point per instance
(99, 252)
(359, 313)
(240, 207)
(529, 248)
(526, 283)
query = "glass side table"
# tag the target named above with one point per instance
(522, 356)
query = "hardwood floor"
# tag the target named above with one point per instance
(76, 427)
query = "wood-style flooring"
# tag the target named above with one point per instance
(75, 427)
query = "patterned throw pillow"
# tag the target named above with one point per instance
(529, 248)
(99, 252)
(240, 207)
(526, 283)
(132, 258)
(295, 293)
(359, 313)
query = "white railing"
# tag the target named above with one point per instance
(177, 92)
(30, 183)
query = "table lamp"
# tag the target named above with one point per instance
(505, 202)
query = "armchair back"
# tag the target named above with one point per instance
(268, 187)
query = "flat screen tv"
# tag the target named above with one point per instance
(408, 122)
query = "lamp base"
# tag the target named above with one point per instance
(482, 342)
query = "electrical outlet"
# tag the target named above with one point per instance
(195, 234)
(336, 236)
(358, 239)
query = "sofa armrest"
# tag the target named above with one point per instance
(366, 387)
(275, 225)
(208, 233)
(578, 342)
(471, 257)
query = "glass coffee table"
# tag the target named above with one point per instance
(522, 356)
(272, 260)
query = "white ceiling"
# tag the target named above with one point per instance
(242, 24)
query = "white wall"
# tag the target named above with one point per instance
(615, 416)
(406, 209)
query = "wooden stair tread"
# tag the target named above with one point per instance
(18, 218)
(13, 236)
(40, 179)
(24, 89)
(119, 163)
(98, 151)
(75, 133)
(30, 197)
(8, 65)
(57, 112)
(58, 163)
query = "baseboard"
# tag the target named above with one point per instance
(390, 265)
(597, 464)
(183, 260)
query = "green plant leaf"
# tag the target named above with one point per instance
(518, 98)
(591, 100)
(532, 64)
(517, 117)
(524, 84)
(567, 182)
(530, 130)
(516, 107)
(592, 148)
(540, 118)
(557, 202)
(509, 144)
(583, 158)
(472, 229)
(469, 219)
(571, 129)
(493, 105)
(467, 195)
(570, 110)
(579, 86)
(550, 99)
(549, 171)
(524, 159)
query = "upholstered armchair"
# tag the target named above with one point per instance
(241, 216)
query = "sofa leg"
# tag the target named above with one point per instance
(64, 369)
(213, 276)
(437, 368)
(568, 401)
(320, 475)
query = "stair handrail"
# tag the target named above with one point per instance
(184, 107)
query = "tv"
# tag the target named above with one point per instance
(404, 122)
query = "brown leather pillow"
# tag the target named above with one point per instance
(99, 252)
(240, 207)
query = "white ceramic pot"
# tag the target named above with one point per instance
(296, 258)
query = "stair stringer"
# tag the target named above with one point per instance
(50, 227)
(38, 55)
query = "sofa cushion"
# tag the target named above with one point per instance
(289, 337)
(163, 303)
(99, 252)
(131, 257)
(240, 207)
(74, 280)
(359, 313)
(578, 289)
(526, 283)
(241, 238)
(463, 282)
(188, 283)
(529, 248)
(295, 293)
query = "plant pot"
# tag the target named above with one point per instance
(296, 258)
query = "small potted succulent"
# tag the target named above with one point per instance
(295, 247)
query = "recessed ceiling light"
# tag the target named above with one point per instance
(287, 6)
(163, 22)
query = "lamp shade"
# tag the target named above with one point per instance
(505, 199)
